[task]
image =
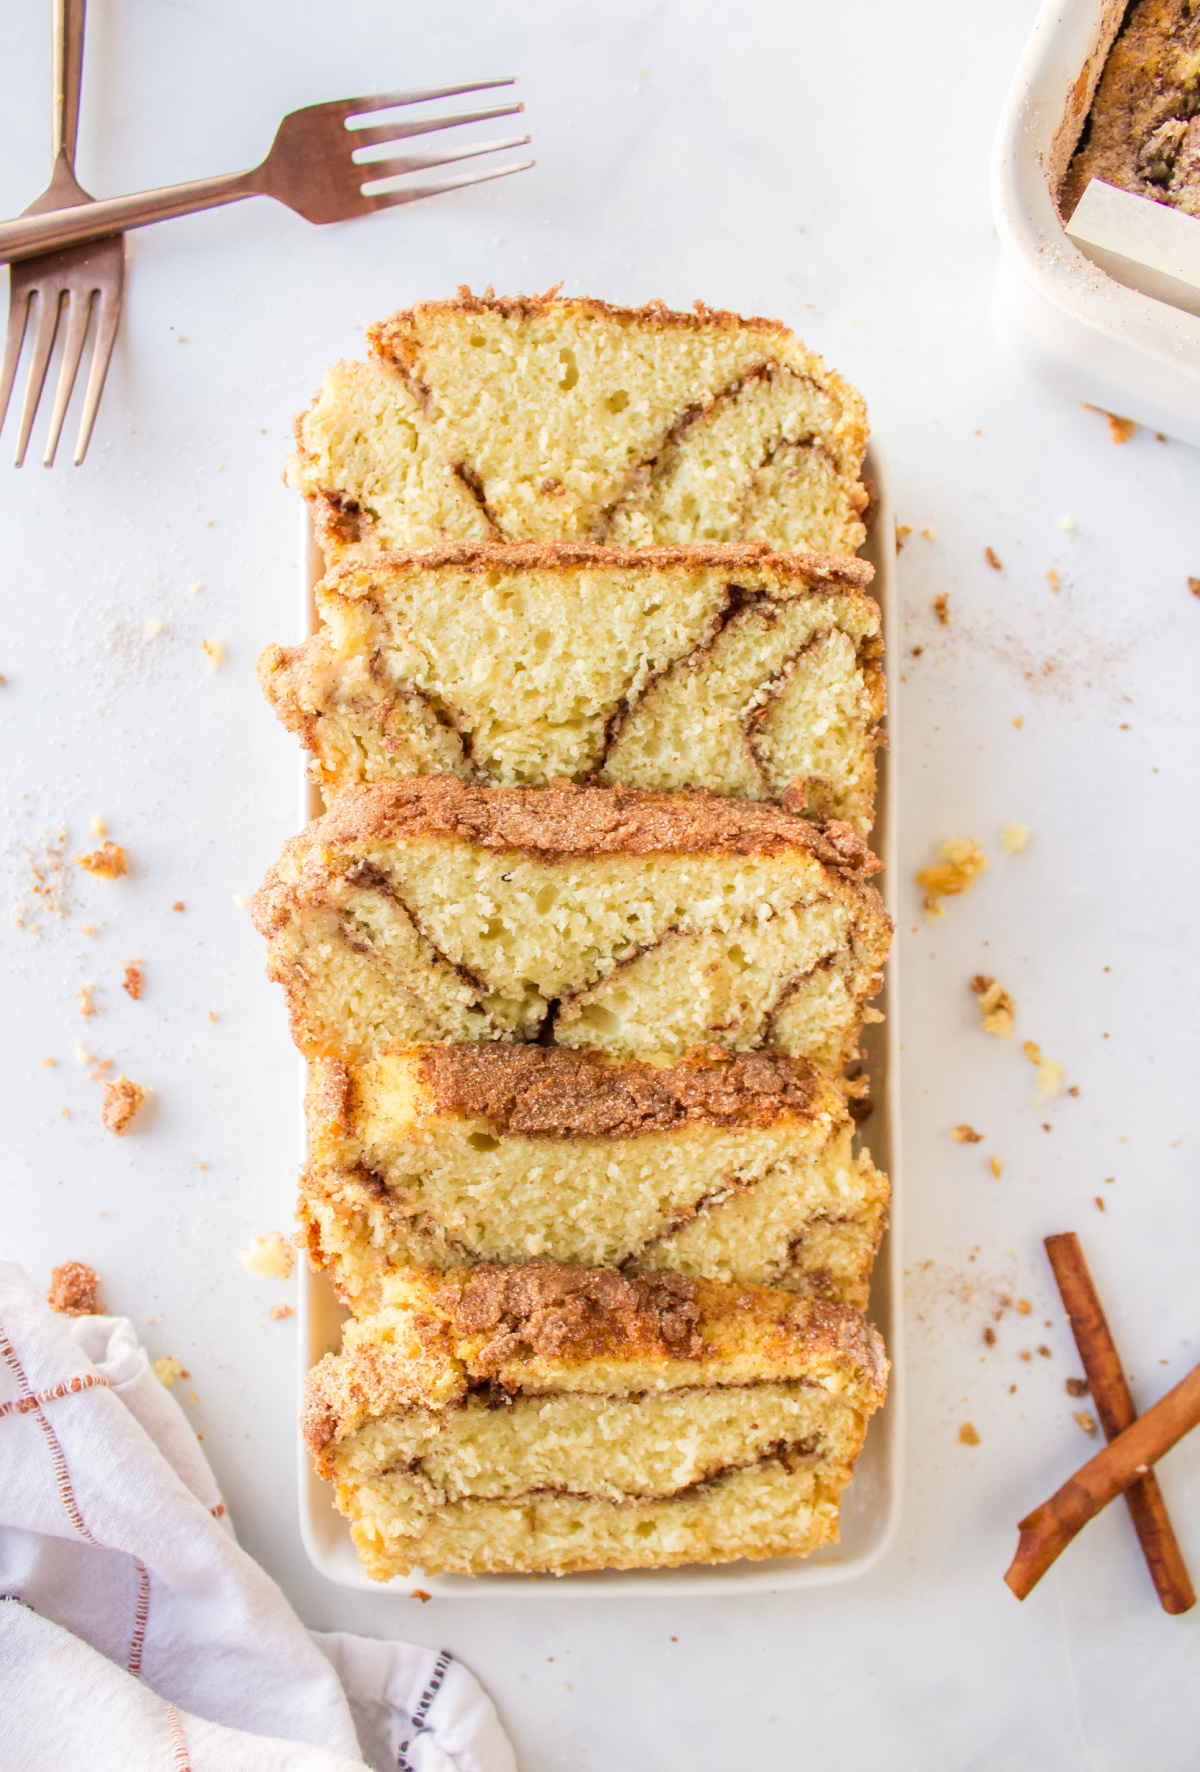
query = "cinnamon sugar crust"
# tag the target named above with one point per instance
(550, 1327)
(549, 1091)
(845, 571)
(567, 820)
(74, 1289)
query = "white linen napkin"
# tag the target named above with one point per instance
(135, 1634)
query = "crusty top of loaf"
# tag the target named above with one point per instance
(552, 1091)
(564, 819)
(556, 1325)
(839, 571)
(388, 339)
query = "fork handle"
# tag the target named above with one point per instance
(30, 235)
(69, 18)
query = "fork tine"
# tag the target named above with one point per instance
(18, 313)
(394, 132)
(380, 169)
(43, 344)
(106, 332)
(388, 199)
(79, 311)
(386, 101)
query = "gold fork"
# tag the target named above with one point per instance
(312, 167)
(72, 278)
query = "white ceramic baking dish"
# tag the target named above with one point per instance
(1061, 316)
(871, 1509)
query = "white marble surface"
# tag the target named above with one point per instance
(825, 164)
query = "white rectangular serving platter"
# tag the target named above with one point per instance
(871, 1505)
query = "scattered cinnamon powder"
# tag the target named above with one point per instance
(960, 865)
(996, 1006)
(49, 879)
(108, 862)
(966, 1135)
(73, 1290)
(993, 561)
(132, 982)
(122, 1099)
(968, 1434)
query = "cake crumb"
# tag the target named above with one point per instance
(214, 652)
(83, 997)
(1068, 523)
(278, 1312)
(1100, 1206)
(1086, 1421)
(902, 529)
(989, 1336)
(960, 865)
(212, 1015)
(97, 828)
(418, 1593)
(122, 1100)
(1120, 429)
(240, 900)
(968, 1434)
(131, 984)
(993, 560)
(1194, 586)
(73, 1290)
(929, 532)
(966, 1135)
(179, 905)
(1052, 579)
(996, 1007)
(996, 1167)
(269, 1257)
(1018, 721)
(1045, 1352)
(1050, 1073)
(152, 629)
(48, 1063)
(1015, 838)
(1077, 1387)
(168, 1369)
(941, 608)
(1023, 1307)
(108, 862)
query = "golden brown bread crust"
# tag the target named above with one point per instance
(469, 1325)
(554, 821)
(843, 572)
(390, 340)
(553, 1092)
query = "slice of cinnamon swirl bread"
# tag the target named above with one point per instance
(637, 924)
(554, 1418)
(726, 668)
(733, 1167)
(540, 418)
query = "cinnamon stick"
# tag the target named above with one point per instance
(1049, 1529)
(1114, 1406)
